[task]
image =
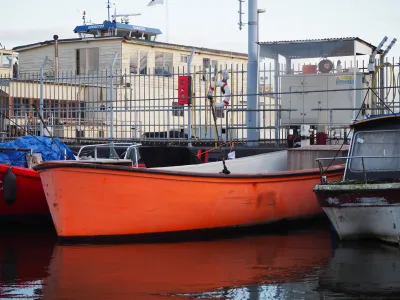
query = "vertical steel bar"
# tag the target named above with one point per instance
(111, 97)
(41, 94)
(190, 105)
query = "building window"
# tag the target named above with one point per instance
(87, 61)
(206, 64)
(46, 109)
(178, 110)
(184, 58)
(5, 60)
(209, 67)
(21, 106)
(137, 66)
(82, 107)
(163, 64)
(64, 110)
(133, 63)
(54, 108)
(214, 66)
(73, 106)
(143, 63)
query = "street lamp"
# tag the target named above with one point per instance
(259, 11)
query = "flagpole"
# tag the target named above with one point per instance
(166, 20)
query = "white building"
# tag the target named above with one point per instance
(78, 96)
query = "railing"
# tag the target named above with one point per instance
(359, 109)
(276, 127)
(364, 171)
(124, 106)
(113, 154)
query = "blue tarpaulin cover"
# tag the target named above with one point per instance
(39, 144)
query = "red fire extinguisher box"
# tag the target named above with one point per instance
(184, 89)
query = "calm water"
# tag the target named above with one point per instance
(303, 264)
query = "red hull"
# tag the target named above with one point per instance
(30, 204)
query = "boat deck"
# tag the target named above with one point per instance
(305, 157)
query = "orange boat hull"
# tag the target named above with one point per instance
(92, 201)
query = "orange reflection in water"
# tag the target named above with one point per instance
(147, 271)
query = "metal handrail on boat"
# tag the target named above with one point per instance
(321, 167)
(112, 145)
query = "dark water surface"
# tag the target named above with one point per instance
(300, 264)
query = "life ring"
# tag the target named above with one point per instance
(325, 66)
(224, 89)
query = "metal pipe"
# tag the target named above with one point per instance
(190, 104)
(251, 121)
(276, 98)
(371, 65)
(259, 11)
(389, 47)
(382, 72)
(56, 54)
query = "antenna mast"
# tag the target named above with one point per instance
(240, 14)
(108, 9)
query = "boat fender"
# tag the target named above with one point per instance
(224, 90)
(10, 187)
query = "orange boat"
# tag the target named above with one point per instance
(97, 201)
(193, 270)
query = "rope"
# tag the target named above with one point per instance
(222, 144)
(225, 169)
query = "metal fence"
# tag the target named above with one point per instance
(122, 106)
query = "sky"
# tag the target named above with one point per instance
(207, 23)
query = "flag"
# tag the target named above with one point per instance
(154, 2)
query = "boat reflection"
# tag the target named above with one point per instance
(192, 269)
(293, 266)
(368, 269)
(24, 259)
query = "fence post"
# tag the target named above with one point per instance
(41, 94)
(190, 105)
(277, 73)
(111, 97)
(252, 77)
